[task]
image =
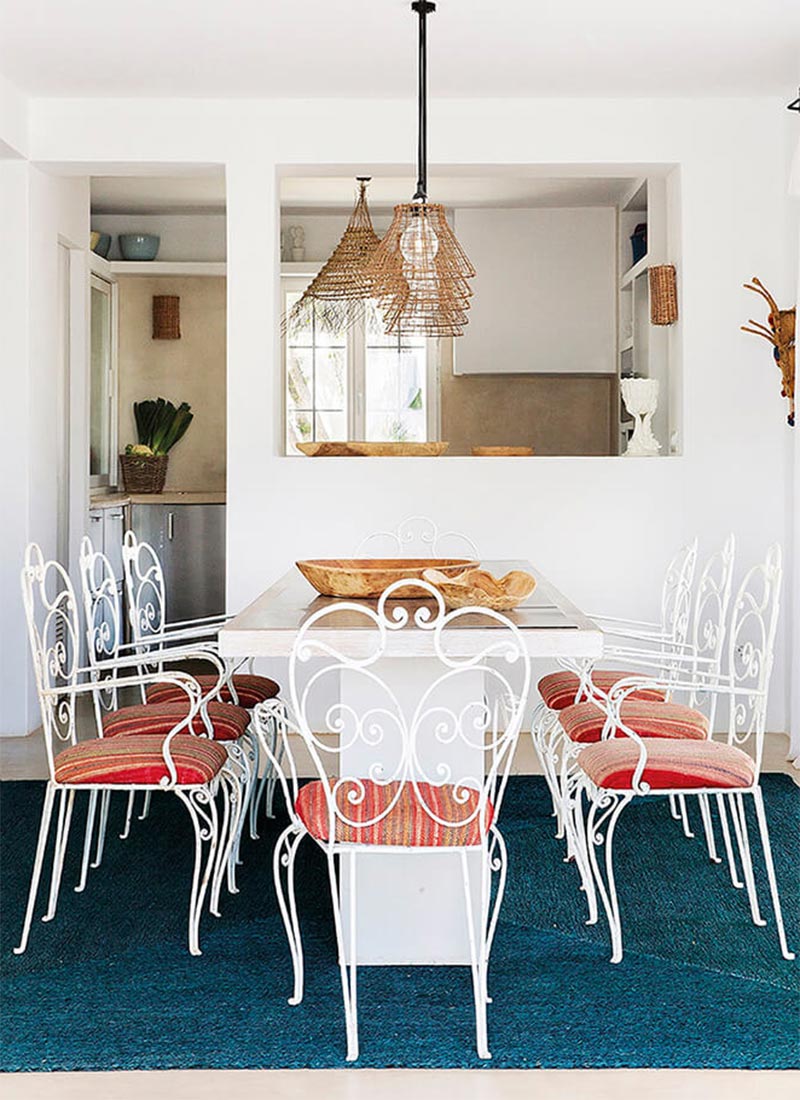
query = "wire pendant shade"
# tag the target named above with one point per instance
(420, 274)
(342, 284)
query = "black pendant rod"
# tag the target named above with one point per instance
(423, 9)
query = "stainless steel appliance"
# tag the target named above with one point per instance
(190, 540)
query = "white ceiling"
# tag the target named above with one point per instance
(367, 47)
(204, 192)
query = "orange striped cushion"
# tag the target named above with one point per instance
(229, 722)
(408, 824)
(251, 690)
(584, 721)
(130, 760)
(558, 689)
(670, 764)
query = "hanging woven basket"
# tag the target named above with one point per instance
(663, 295)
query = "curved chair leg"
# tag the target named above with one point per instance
(708, 828)
(289, 840)
(126, 832)
(62, 836)
(684, 817)
(726, 836)
(87, 841)
(758, 799)
(202, 809)
(105, 799)
(41, 845)
(477, 952)
(254, 790)
(231, 803)
(246, 779)
(498, 861)
(146, 806)
(348, 979)
(606, 806)
(576, 825)
(673, 808)
(743, 840)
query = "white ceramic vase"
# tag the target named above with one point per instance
(641, 400)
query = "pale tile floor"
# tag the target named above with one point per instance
(23, 758)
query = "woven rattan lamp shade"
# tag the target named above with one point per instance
(342, 284)
(420, 274)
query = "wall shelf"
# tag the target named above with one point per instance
(153, 268)
(301, 267)
(634, 272)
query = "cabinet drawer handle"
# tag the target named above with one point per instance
(170, 525)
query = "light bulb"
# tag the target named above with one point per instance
(419, 244)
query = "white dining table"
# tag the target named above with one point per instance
(414, 916)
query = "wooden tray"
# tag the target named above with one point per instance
(352, 448)
(366, 578)
(479, 588)
(494, 452)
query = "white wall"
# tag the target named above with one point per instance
(603, 529)
(37, 210)
(544, 293)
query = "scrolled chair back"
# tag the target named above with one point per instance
(676, 594)
(751, 651)
(709, 621)
(51, 612)
(102, 614)
(441, 758)
(144, 588)
(417, 537)
(744, 683)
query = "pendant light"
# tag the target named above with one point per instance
(420, 273)
(341, 286)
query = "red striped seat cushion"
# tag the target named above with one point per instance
(584, 721)
(558, 689)
(251, 690)
(670, 764)
(229, 722)
(131, 760)
(408, 824)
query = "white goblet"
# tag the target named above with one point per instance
(641, 400)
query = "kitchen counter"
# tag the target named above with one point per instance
(112, 500)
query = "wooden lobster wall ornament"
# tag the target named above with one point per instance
(780, 331)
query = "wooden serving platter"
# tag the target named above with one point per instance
(353, 448)
(366, 578)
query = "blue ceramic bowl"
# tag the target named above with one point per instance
(139, 246)
(103, 246)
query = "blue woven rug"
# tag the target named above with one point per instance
(110, 984)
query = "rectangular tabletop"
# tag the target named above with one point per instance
(551, 625)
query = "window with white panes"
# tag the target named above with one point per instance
(362, 383)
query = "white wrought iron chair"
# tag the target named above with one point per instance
(416, 537)
(182, 762)
(666, 641)
(147, 600)
(657, 712)
(624, 765)
(411, 797)
(107, 653)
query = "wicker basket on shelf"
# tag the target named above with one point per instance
(663, 295)
(143, 473)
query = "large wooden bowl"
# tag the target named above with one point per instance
(478, 588)
(366, 578)
(353, 448)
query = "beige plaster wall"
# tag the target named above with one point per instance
(190, 369)
(556, 414)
